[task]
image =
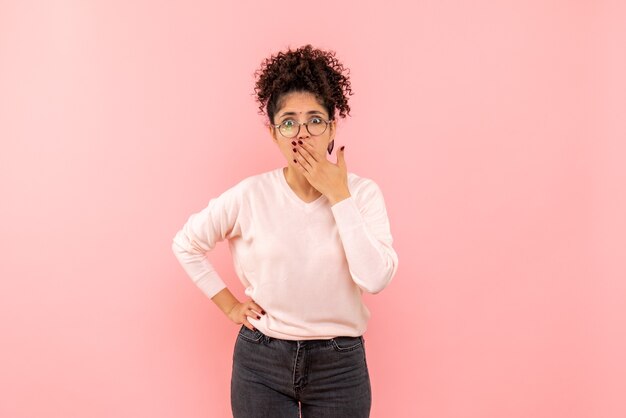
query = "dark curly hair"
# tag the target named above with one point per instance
(305, 69)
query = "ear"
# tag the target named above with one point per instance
(272, 132)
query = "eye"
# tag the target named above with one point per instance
(315, 121)
(288, 123)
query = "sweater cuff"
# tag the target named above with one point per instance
(347, 214)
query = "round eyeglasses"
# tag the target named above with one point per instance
(290, 128)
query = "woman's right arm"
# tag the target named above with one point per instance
(216, 222)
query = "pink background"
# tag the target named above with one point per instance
(495, 129)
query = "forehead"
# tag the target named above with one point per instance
(299, 103)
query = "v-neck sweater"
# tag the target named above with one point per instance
(306, 263)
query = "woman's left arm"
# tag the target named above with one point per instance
(366, 237)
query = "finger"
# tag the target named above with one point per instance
(309, 151)
(253, 314)
(341, 160)
(258, 308)
(254, 308)
(297, 157)
(248, 325)
(303, 170)
(303, 161)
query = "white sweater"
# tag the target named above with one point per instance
(306, 264)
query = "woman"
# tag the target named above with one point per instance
(306, 239)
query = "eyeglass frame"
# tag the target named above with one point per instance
(306, 124)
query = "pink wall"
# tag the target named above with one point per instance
(496, 132)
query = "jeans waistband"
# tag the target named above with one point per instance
(256, 334)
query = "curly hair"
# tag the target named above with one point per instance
(305, 69)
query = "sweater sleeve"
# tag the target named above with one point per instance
(216, 222)
(366, 237)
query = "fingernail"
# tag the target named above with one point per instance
(293, 142)
(295, 161)
(299, 142)
(342, 147)
(294, 150)
(263, 312)
(258, 317)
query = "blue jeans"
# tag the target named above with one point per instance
(274, 378)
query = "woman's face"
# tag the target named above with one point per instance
(301, 107)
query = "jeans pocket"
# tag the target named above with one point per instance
(345, 344)
(249, 335)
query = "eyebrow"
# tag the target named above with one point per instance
(310, 112)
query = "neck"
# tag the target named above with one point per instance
(299, 183)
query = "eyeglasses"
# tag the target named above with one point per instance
(290, 128)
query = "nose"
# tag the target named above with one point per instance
(303, 133)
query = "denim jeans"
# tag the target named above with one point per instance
(278, 378)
